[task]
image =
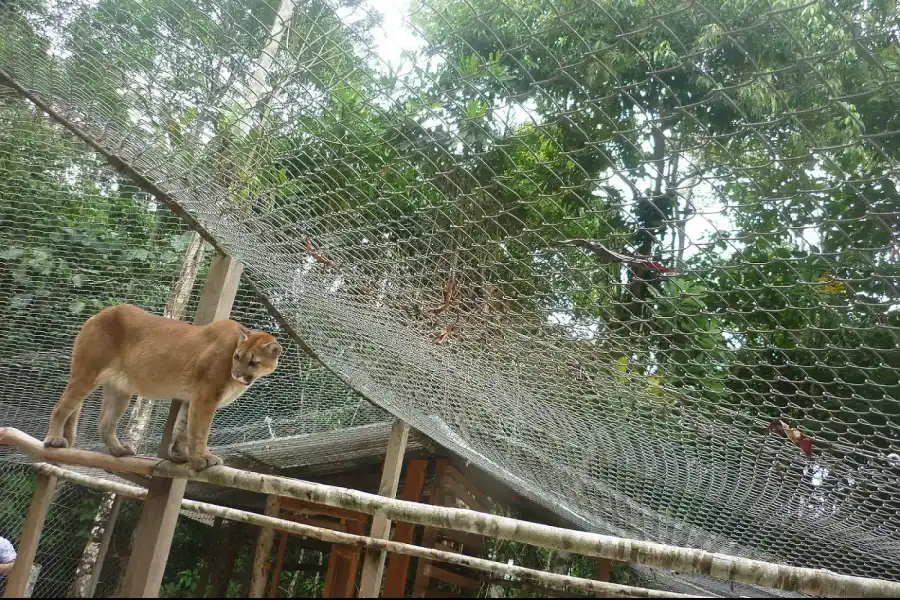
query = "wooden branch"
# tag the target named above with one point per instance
(263, 550)
(818, 582)
(551, 580)
(34, 449)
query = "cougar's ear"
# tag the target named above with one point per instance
(245, 333)
(273, 348)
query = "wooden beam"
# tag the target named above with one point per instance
(373, 564)
(429, 535)
(343, 565)
(279, 561)
(398, 564)
(263, 549)
(219, 291)
(156, 525)
(460, 581)
(31, 536)
(309, 508)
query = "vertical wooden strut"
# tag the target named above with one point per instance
(373, 565)
(31, 536)
(153, 535)
(398, 564)
(263, 549)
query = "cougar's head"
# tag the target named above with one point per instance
(255, 356)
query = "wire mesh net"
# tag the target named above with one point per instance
(636, 259)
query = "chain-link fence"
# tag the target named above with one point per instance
(638, 259)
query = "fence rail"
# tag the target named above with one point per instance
(796, 579)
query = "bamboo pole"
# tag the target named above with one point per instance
(552, 580)
(818, 582)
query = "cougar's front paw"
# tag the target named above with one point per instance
(206, 461)
(55, 442)
(120, 451)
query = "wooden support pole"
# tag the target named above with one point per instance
(343, 564)
(604, 571)
(219, 291)
(373, 564)
(398, 564)
(429, 535)
(31, 536)
(279, 562)
(32, 580)
(156, 525)
(263, 549)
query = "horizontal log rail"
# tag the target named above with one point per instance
(797, 579)
(551, 580)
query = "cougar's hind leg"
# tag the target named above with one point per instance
(64, 420)
(115, 403)
(178, 449)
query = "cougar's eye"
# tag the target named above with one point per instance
(237, 357)
(253, 363)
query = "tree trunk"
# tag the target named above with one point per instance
(176, 306)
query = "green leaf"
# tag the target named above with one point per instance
(77, 307)
(77, 280)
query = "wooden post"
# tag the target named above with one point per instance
(221, 287)
(373, 564)
(31, 536)
(343, 565)
(604, 571)
(104, 544)
(263, 549)
(398, 564)
(430, 534)
(279, 561)
(156, 525)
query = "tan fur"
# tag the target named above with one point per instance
(130, 352)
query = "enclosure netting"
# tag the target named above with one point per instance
(403, 183)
